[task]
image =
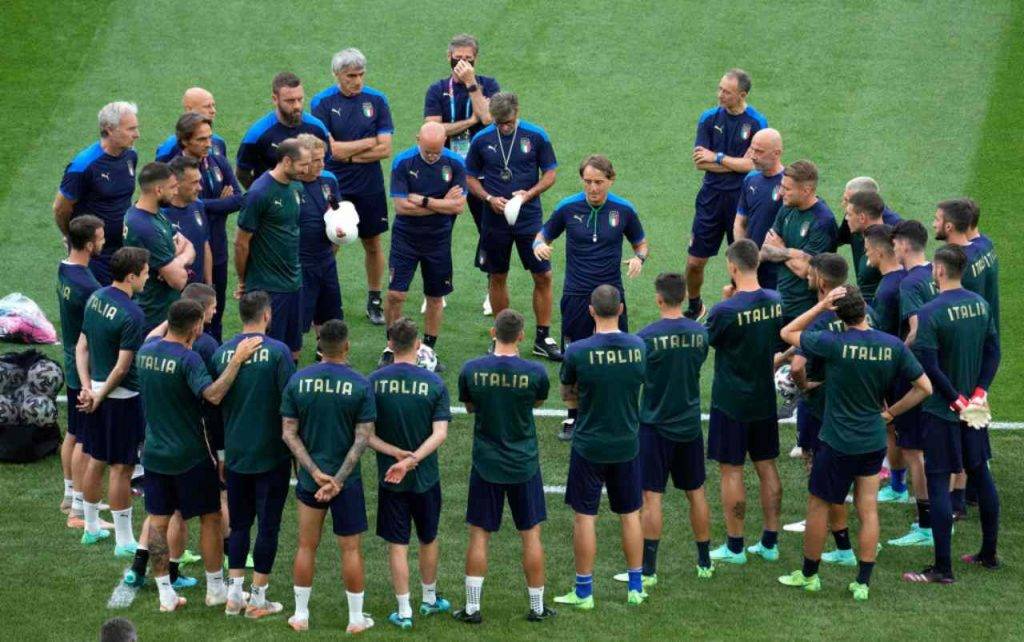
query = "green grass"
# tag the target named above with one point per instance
(922, 96)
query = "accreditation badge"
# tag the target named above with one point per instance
(460, 145)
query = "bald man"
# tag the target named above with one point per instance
(200, 101)
(428, 187)
(759, 198)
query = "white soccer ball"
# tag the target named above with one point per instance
(426, 358)
(784, 384)
(512, 208)
(344, 217)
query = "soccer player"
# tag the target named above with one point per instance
(170, 253)
(671, 442)
(513, 158)
(759, 198)
(187, 215)
(958, 344)
(257, 464)
(595, 221)
(328, 410)
(743, 329)
(501, 390)
(100, 180)
(804, 226)
(864, 209)
(861, 365)
(867, 276)
(460, 103)
(267, 242)
(199, 101)
(918, 287)
(412, 422)
(724, 135)
(602, 377)
(221, 195)
(260, 150)
(75, 283)
(104, 357)
(955, 221)
(428, 186)
(180, 473)
(358, 118)
(321, 294)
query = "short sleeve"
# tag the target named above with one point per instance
(474, 158)
(910, 367)
(196, 374)
(716, 324)
(567, 374)
(384, 123)
(248, 155)
(367, 406)
(741, 203)
(289, 407)
(780, 217)
(555, 225)
(704, 124)
(543, 384)
(817, 343)
(432, 102)
(459, 174)
(442, 406)
(399, 180)
(74, 183)
(822, 237)
(285, 368)
(161, 252)
(634, 231)
(546, 155)
(131, 333)
(319, 109)
(464, 396)
(249, 217)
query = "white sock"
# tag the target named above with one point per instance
(92, 516)
(214, 582)
(69, 487)
(302, 602)
(430, 593)
(259, 595)
(355, 607)
(536, 599)
(76, 503)
(168, 597)
(235, 589)
(474, 587)
(404, 609)
(123, 527)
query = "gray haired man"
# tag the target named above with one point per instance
(358, 118)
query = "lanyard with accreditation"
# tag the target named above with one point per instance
(460, 142)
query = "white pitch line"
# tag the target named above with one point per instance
(558, 412)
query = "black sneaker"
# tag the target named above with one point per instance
(386, 358)
(930, 575)
(547, 348)
(547, 614)
(468, 618)
(375, 312)
(565, 434)
(699, 315)
(959, 514)
(991, 563)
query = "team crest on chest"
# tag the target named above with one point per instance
(613, 218)
(298, 198)
(368, 109)
(131, 169)
(326, 191)
(525, 145)
(804, 228)
(745, 131)
(775, 193)
(446, 173)
(199, 217)
(217, 173)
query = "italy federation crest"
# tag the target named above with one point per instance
(368, 109)
(218, 174)
(775, 193)
(446, 173)
(613, 218)
(326, 191)
(198, 216)
(131, 168)
(804, 228)
(745, 131)
(525, 145)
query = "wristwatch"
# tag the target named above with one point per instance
(472, 88)
(424, 200)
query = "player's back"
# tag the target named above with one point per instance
(676, 350)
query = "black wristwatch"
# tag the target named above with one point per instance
(472, 88)
(423, 201)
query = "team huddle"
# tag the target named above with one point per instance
(891, 354)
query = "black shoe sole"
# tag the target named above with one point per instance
(540, 352)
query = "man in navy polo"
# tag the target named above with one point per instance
(460, 103)
(358, 118)
(428, 187)
(258, 151)
(760, 198)
(100, 180)
(187, 214)
(724, 133)
(199, 101)
(855, 221)
(513, 159)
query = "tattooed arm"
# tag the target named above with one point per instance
(290, 435)
(364, 433)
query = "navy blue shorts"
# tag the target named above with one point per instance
(833, 472)
(116, 430)
(715, 211)
(397, 511)
(661, 457)
(623, 481)
(910, 430)
(495, 253)
(373, 213)
(75, 416)
(321, 294)
(808, 427)
(348, 508)
(730, 441)
(486, 502)
(193, 492)
(943, 447)
(433, 256)
(286, 318)
(577, 324)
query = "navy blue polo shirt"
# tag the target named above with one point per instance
(347, 118)
(102, 185)
(258, 151)
(720, 131)
(315, 198)
(410, 174)
(593, 247)
(449, 99)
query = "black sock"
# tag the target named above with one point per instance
(140, 561)
(735, 544)
(704, 553)
(769, 538)
(573, 413)
(842, 538)
(373, 297)
(542, 332)
(811, 567)
(650, 556)
(693, 306)
(430, 340)
(864, 572)
(172, 567)
(957, 497)
(924, 514)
